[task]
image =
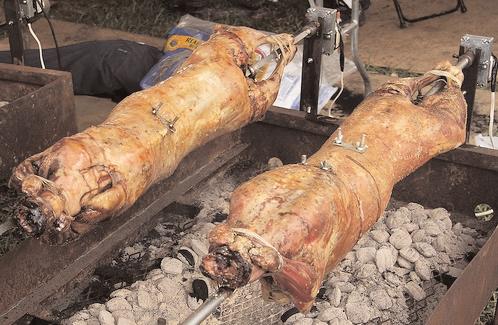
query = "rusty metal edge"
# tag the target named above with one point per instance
(459, 305)
(469, 155)
(120, 234)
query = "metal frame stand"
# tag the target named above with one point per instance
(14, 27)
(403, 20)
(312, 52)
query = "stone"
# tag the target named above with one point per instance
(199, 247)
(381, 299)
(431, 228)
(80, 316)
(384, 259)
(415, 291)
(117, 303)
(410, 227)
(400, 238)
(94, 309)
(412, 206)
(470, 231)
(319, 322)
(105, 317)
(124, 321)
(274, 162)
(481, 241)
(454, 272)
(365, 254)
(357, 309)
(146, 300)
(392, 279)
(468, 239)
(399, 271)
(439, 214)
(423, 269)
(171, 265)
(337, 321)
(304, 321)
(120, 293)
(350, 256)
(444, 224)
(366, 271)
(425, 249)
(335, 297)
(128, 314)
(410, 254)
(294, 318)
(420, 235)
(457, 228)
(331, 313)
(345, 287)
(440, 244)
(419, 216)
(397, 218)
(404, 263)
(193, 303)
(379, 235)
(414, 277)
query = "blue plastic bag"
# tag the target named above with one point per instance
(180, 42)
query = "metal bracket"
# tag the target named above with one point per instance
(485, 45)
(327, 18)
(360, 146)
(168, 124)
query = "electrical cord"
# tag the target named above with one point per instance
(53, 33)
(494, 72)
(42, 62)
(341, 65)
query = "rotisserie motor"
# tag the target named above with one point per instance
(291, 225)
(102, 171)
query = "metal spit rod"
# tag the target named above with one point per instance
(208, 307)
(308, 30)
(464, 61)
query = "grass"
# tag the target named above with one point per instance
(156, 17)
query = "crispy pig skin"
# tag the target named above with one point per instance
(100, 172)
(312, 216)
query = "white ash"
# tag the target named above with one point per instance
(394, 260)
(370, 284)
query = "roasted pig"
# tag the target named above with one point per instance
(102, 171)
(291, 225)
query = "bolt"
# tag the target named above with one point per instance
(327, 36)
(310, 60)
(308, 109)
(485, 41)
(339, 137)
(325, 165)
(11, 23)
(483, 212)
(465, 39)
(304, 159)
(362, 146)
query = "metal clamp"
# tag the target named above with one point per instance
(168, 124)
(360, 146)
(485, 45)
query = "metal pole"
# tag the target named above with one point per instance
(208, 307)
(464, 61)
(355, 19)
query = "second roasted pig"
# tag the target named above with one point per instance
(291, 225)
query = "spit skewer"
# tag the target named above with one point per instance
(307, 30)
(208, 307)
